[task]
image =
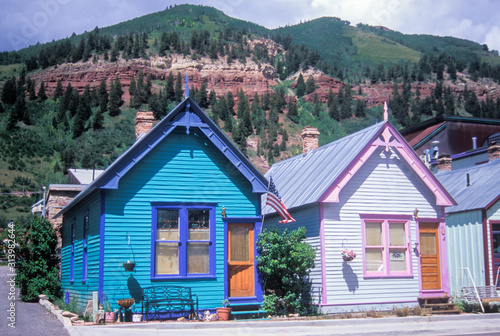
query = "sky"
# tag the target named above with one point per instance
(26, 22)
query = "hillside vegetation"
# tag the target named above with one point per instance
(323, 73)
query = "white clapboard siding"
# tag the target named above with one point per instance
(385, 184)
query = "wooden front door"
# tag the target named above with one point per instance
(240, 261)
(430, 267)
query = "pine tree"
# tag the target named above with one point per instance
(169, 87)
(360, 108)
(301, 86)
(178, 88)
(115, 98)
(310, 85)
(9, 94)
(230, 103)
(245, 120)
(58, 92)
(98, 120)
(41, 92)
(293, 113)
(102, 94)
(333, 110)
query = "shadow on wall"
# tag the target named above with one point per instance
(134, 289)
(350, 278)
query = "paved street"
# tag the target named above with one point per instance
(19, 318)
(32, 319)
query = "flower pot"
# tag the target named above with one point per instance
(223, 313)
(109, 316)
(348, 259)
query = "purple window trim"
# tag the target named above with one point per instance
(183, 239)
(72, 257)
(386, 219)
(85, 236)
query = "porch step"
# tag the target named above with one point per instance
(438, 305)
(247, 311)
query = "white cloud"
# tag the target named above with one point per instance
(492, 38)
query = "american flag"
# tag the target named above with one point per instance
(273, 199)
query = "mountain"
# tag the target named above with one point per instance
(71, 103)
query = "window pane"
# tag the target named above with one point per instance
(397, 260)
(240, 237)
(199, 224)
(167, 258)
(167, 224)
(427, 243)
(397, 234)
(373, 233)
(374, 260)
(198, 259)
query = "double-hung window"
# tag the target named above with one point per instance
(183, 241)
(386, 247)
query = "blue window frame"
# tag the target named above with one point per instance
(183, 241)
(85, 244)
(72, 257)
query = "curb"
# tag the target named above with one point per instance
(302, 323)
(57, 313)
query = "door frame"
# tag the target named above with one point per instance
(491, 262)
(443, 257)
(257, 227)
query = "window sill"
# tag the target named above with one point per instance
(397, 276)
(179, 277)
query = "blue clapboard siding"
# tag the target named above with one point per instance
(464, 231)
(308, 217)
(81, 290)
(384, 185)
(182, 168)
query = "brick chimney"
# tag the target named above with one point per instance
(444, 162)
(143, 123)
(494, 151)
(310, 137)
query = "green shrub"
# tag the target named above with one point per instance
(284, 263)
(37, 266)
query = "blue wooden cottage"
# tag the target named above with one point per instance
(182, 203)
(473, 225)
(368, 193)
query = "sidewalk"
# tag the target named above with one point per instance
(470, 324)
(19, 318)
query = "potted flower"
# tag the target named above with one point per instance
(109, 316)
(348, 255)
(223, 312)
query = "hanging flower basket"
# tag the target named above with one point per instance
(129, 266)
(348, 255)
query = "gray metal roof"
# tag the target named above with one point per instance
(84, 176)
(484, 186)
(304, 178)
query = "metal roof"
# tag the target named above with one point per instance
(484, 186)
(304, 178)
(84, 176)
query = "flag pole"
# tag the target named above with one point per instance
(265, 203)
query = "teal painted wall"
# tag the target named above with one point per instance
(182, 168)
(82, 290)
